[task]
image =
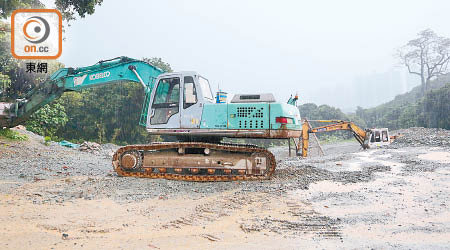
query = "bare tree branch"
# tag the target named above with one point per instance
(412, 72)
(429, 53)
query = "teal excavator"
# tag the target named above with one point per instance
(179, 104)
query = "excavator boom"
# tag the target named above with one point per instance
(359, 133)
(116, 70)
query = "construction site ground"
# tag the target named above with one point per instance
(52, 197)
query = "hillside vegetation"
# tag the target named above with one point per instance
(412, 109)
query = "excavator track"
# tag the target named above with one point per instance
(195, 161)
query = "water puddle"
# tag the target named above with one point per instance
(442, 157)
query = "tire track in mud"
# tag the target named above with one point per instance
(297, 219)
(260, 213)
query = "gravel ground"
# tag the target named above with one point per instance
(418, 136)
(348, 198)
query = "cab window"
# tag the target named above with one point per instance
(377, 136)
(166, 100)
(189, 94)
(384, 136)
(206, 89)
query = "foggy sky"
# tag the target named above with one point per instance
(255, 46)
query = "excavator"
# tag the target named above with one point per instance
(367, 138)
(180, 104)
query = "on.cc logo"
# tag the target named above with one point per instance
(36, 29)
(36, 34)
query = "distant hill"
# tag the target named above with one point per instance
(414, 94)
(411, 109)
(404, 111)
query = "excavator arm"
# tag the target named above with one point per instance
(360, 134)
(116, 70)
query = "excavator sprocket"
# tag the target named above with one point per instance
(195, 161)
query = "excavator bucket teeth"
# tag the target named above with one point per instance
(195, 161)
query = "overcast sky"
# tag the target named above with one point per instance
(280, 47)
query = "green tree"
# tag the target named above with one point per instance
(108, 113)
(48, 119)
(7, 62)
(436, 105)
(68, 8)
(5, 82)
(158, 62)
(8, 6)
(324, 112)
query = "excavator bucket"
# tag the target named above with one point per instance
(366, 142)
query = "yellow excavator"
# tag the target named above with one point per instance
(368, 138)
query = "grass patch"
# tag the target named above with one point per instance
(12, 135)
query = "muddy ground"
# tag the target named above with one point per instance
(53, 197)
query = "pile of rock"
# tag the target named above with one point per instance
(418, 136)
(90, 147)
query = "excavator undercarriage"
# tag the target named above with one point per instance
(195, 161)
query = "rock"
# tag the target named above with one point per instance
(210, 237)
(20, 127)
(91, 147)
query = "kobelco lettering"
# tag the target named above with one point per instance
(99, 75)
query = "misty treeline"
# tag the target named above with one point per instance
(413, 109)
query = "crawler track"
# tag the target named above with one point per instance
(133, 161)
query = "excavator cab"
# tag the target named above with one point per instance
(182, 104)
(378, 137)
(177, 101)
